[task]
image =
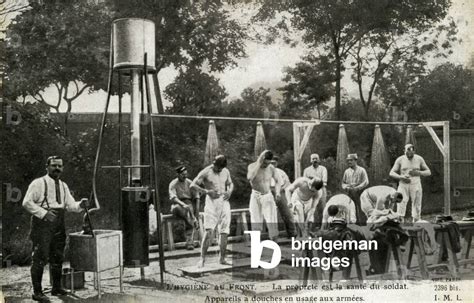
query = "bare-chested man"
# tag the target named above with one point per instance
(217, 185)
(408, 169)
(262, 205)
(304, 195)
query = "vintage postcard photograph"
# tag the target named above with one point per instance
(237, 151)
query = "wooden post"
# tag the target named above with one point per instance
(296, 148)
(446, 169)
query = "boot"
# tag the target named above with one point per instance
(40, 297)
(37, 277)
(56, 274)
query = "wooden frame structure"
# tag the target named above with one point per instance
(300, 142)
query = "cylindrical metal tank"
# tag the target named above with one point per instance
(135, 202)
(132, 38)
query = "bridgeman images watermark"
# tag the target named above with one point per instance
(316, 244)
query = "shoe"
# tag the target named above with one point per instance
(190, 246)
(59, 292)
(40, 297)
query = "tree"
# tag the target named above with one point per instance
(381, 52)
(337, 27)
(309, 86)
(195, 93)
(252, 103)
(57, 44)
(446, 93)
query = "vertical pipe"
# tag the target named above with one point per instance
(135, 125)
(120, 145)
(446, 167)
(159, 102)
(155, 175)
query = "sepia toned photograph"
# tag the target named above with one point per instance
(237, 150)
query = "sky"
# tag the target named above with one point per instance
(264, 65)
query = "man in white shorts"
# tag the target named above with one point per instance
(339, 206)
(409, 169)
(377, 200)
(217, 185)
(262, 205)
(304, 194)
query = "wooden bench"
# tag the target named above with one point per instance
(316, 273)
(443, 238)
(167, 221)
(416, 244)
(466, 228)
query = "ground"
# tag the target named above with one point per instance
(16, 285)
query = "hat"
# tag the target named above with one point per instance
(352, 157)
(314, 157)
(180, 169)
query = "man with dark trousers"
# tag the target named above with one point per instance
(46, 200)
(354, 181)
(182, 197)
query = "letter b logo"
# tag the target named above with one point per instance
(256, 249)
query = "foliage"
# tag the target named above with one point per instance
(252, 103)
(337, 28)
(446, 93)
(195, 92)
(309, 86)
(50, 45)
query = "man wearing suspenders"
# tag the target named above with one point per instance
(46, 200)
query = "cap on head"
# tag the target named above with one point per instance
(352, 157)
(180, 169)
(314, 157)
(50, 158)
(220, 161)
(409, 147)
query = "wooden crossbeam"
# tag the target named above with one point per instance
(436, 139)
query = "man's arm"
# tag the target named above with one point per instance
(278, 182)
(352, 211)
(316, 198)
(253, 168)
(395, 169)
(34, 193)
(324, 223)
(173, 194)
(71, 204)
(290, 189)
(229, 185)
(325, 176)
(199, 181)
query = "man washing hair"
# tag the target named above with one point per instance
(408, 170)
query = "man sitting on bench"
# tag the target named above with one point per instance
(182, 197)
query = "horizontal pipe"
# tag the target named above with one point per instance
(283, 120)
(125, 166)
